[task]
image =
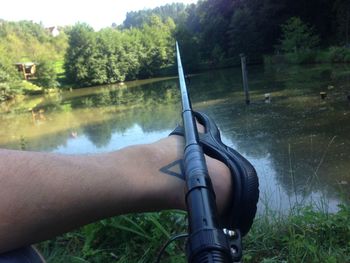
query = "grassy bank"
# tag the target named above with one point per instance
(18, 88)
(330, 55)
(305, 235)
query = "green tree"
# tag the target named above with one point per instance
(188, 40)
(176, 11)
(83, 61)
(112, 54)
(243, 33)
(60, 43)
(134, 51)
(214, 17)
(25, 41)
(297, 36)
(46, 74)
(342, 11)
(9, 78)
(158, 42)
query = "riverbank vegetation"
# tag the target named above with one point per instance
(211, 33)
(306, 234)
(23, 42)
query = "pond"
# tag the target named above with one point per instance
(298, 142)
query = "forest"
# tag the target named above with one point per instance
(211, 33)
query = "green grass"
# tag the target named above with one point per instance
(59, 66)
(304, 235)
(61, 73)
(132, 238)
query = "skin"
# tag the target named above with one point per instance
(45, 194)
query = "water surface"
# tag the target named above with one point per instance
(298, 143)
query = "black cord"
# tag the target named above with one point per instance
(173, 238)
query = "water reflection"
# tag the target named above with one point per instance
(96, 115)
(133, 135)
(299, 144)
(303, 139)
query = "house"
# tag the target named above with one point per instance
(54, 31)
(28, 69)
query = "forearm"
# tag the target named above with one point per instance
(46, 194)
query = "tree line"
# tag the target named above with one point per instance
(113, 55)
(217, 31)
(211, 33)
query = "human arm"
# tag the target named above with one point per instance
(45, 194)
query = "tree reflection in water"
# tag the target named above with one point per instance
(298, 143)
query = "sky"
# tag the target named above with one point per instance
(97, 13)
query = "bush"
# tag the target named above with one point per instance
(9, 81)
(297, 36)
(332, 55)
(339, 54)
(46, 75)
(323, 56)
(6, 92)
(306, 57)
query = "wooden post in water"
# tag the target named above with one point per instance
(245, 78)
